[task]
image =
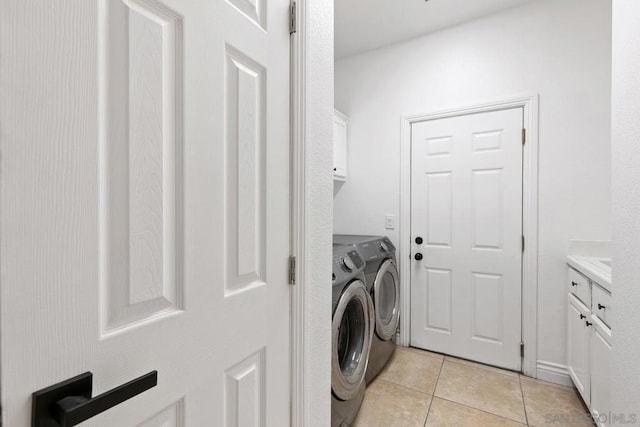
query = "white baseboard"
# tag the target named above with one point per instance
(553, 373)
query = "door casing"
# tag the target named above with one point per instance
(529, 103)
(311, 134)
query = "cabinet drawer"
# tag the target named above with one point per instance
(601, 305)
(580, 287)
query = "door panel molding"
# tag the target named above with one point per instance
(529, 103)
(141, 151)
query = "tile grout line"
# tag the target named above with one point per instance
(473, 365)
(400, 385)
(433, 396)
(478, 365)
(481, 367)
(479, 409)
(423, 353)
(483, 411)
(380, 376)
(410, 389)
(524, 405)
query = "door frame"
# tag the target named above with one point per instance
(298, 217)
(311, 130)
(529, 103)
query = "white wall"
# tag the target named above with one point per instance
(560, 49)
(318, 48)
(626, 207)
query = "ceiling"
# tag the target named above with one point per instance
(362, 25)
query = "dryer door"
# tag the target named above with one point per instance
(352, 332)
(386, 293)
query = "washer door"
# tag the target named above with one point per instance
(352, 332)
(386, 293)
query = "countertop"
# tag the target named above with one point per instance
(595, 268)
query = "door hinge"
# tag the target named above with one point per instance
(521, 349)
(292, 270)
(292, 18)
(523, 244)
(524, 136)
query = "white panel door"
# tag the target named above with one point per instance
(466, 227)
(145, 206)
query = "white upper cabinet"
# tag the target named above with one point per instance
(340, 132)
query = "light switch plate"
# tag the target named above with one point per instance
(390, 222)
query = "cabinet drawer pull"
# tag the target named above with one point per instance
(582, 316)
(574, 284)
(588, 323)
(601, 307)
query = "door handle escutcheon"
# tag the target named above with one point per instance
(69, 402)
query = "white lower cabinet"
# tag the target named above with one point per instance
(578, 337)
(600, 372)
(589, 349)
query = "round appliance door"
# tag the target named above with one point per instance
(352, 330)
(386, 293)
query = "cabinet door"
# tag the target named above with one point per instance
(340, 128)
(579, 286)
(578, 334)
(600, 372)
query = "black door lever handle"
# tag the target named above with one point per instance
(69, 403)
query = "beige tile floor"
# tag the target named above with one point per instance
(419, 388)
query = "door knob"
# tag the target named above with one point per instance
(69, 403)
(418, 256)
(419, 240)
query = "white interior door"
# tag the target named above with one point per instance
(145, 206)
(466, 206)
